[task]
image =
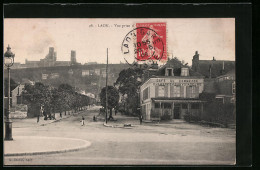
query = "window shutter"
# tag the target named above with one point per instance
(148, 92)
(171, 91)
(188, 91)
(182, 91)
(156, 91)
(166, 91)
(197, 91)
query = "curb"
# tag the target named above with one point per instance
(112, 126)
(54, 121)
(87, 144)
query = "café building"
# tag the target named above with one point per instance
(171, 93)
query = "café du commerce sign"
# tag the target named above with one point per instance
(177, 82)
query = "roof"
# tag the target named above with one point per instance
(216, 67)
(231, 72)
(176, 65)
(26, 81)
(21, 86)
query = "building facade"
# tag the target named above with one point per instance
(16, 95)
(171, 94)
(226, 85)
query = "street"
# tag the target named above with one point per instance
(178, 143)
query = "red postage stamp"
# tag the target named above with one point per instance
(146, 42)
(151, 41)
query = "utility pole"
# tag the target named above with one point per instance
(106, 86)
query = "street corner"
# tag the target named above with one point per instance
(37, 145)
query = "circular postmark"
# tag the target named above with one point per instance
(142, 44)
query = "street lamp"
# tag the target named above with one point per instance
(8, 61)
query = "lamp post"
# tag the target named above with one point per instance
(8, 61)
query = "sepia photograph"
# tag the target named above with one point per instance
(119, 91)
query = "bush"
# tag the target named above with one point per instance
(166, 117)
(154, 114)
(189, 117)
(219, 113)
(195, 118)
(102, 111)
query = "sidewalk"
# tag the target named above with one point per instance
(32, 122)
(121, 120)
(32, 145)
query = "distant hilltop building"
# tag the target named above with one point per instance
(211, 68)
(73, 57)
(50, 60)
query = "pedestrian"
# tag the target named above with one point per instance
(45, 115)
(83, 121)
(38, 118)
(94, 118)
(141, 119)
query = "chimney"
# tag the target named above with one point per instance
(195, 61)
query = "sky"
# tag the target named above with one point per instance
(31, 38)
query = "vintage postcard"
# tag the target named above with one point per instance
(119, 91)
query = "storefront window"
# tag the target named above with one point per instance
(185, 106)
(157, 105)
(167, 105)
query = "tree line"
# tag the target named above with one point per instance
(128, 85)
(54, 100)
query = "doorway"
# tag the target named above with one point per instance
(176, 111)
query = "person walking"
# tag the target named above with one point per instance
(141, 119)
(38, 118)
(83, 121)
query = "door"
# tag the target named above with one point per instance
(144, 111)
(176, 111)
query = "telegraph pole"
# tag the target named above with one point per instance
(106, 86)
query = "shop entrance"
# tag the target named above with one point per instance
(176, 111)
